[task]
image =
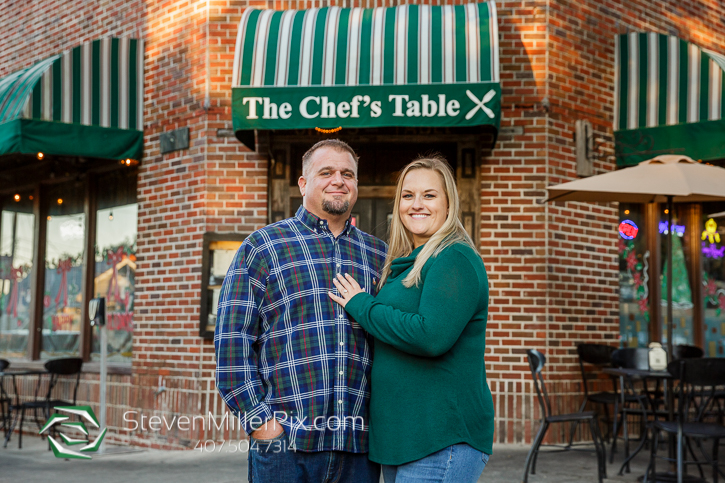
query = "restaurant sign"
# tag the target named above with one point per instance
(411, 105)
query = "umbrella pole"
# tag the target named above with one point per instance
(670, 209)
(668, 384)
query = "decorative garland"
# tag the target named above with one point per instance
(114, 258)
(64, 267)
(16, 274)
(713, 295)
(638, 272)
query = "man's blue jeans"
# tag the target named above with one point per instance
(271, 461)
(459, 463)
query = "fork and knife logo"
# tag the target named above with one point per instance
(480, 104)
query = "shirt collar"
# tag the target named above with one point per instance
(316, 223)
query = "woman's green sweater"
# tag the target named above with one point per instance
(429, 386)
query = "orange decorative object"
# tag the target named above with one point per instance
(328, 131)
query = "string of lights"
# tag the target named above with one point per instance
(328, 131)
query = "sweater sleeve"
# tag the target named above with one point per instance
(449, 299)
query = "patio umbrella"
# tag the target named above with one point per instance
(671, 179)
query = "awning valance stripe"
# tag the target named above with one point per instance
(663, 81)
(408, 44)
(18, 86)
(99, 83)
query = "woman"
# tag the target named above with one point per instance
(431, 412)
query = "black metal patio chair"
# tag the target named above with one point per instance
(4, 398)
(536, 364)
(631, 358)
(599, 356)
(56, 368)
(696, 409)
(686, 352)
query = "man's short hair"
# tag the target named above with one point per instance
(336, 144)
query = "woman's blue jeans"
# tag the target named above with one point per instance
(459, 463)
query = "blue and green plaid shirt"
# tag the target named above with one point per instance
(284, 349)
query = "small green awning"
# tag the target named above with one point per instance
(411, 65)
(669, 99)
(85, 102)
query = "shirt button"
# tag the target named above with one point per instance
(322, 222)
(342, 343)
(342, 373)
(339, 401)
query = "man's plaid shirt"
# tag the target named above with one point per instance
(284, 347)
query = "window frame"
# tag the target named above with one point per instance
(40, 210)
(208, 238)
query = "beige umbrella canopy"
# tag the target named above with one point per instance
(671, 179)
(654, 180)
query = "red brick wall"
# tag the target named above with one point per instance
(33, 31)
(552, 268)
(217, 185)
(512, 224)
(172, 202)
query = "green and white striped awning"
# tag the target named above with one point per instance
(87, 102)
(391, 58)
(669, 99)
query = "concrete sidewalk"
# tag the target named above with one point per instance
(34, 463)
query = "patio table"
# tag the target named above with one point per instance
(626, 378)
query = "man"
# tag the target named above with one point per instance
(290, 363)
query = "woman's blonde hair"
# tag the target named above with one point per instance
(452, 231)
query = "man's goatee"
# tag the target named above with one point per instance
(335, 207)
